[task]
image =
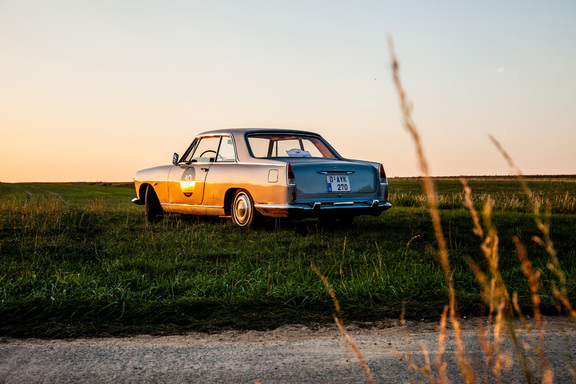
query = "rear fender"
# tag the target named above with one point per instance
(228, 201)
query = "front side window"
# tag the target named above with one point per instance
(285, 145)
(211, 149)
(204, 151)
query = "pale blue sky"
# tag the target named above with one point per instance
(95, 90)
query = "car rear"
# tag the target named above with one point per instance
(348, 186)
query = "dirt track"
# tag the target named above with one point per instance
(292, 354)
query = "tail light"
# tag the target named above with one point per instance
(291, 178)
(382, 174)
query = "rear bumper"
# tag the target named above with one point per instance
(316, 209)
(137, 201)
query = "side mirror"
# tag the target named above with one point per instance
(175, 158)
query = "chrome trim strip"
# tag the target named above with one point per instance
(312, 206)
(336, 171)
(263, 164)
(279, 206)
(190, 205)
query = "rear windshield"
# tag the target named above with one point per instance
(288, 145)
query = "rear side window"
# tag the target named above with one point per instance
(270, 146)
(226, 151)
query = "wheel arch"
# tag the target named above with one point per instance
(142, 190)
(228, 196)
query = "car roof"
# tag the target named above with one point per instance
(236, 131)
(239, 134)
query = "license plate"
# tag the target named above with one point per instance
(338, 183)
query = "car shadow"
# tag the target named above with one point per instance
(314, 225)
(304, 227)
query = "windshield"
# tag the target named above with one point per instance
(288, 145)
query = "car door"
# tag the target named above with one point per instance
(221, 176)
(187, 178)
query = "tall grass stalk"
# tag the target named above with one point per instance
(495, 295)
(340, 323)
(560, 292)
(501, 305)
(466, 368)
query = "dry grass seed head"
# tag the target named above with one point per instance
(466, 367)
(340, 323)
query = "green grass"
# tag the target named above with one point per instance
(80, 259)
(555, 191)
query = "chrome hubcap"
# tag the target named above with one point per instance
(242, 209)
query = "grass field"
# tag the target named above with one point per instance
(80, 259)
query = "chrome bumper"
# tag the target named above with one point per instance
(137, 201)
(318, 208)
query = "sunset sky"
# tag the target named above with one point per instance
(96, 90)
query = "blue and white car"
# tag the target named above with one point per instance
(249, 173)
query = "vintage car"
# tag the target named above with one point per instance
(247, 174)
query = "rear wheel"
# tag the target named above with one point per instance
(154, 211)
(243, 212)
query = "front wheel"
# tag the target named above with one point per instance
(154, 211)
(243, 212)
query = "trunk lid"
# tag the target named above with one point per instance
(334, 178)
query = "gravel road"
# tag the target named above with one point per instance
(291, 354)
